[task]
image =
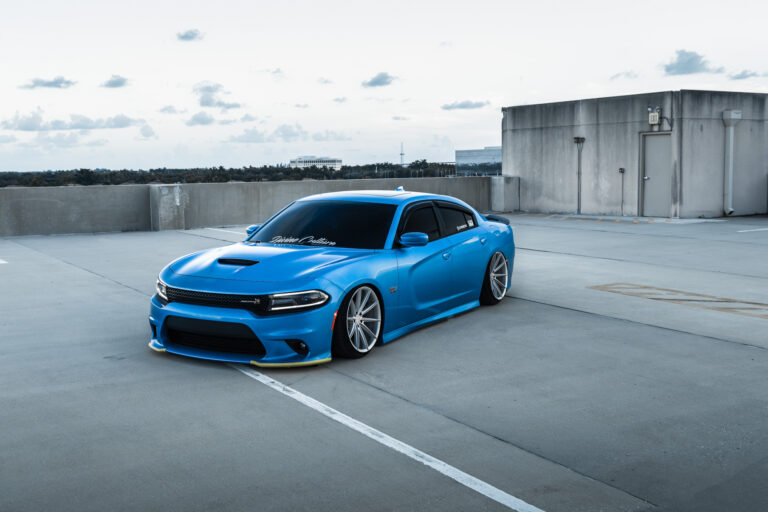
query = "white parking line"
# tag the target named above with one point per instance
(446, 469)
(750, 230)
(2, 261)
(241, 233)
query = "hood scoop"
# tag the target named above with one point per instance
(237, 261)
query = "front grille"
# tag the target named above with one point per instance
(213, 336)
(255, 303)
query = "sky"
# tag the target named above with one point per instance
(149, 84)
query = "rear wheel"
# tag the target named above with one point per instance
(358, 323)
(496, 280)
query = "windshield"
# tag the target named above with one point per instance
(330, 223)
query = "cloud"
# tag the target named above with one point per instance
(147, 132)
(250, 135)
(58, 82)
(624, 74)
(441, 141)
(5, 139)
(744, 74)
(59, 140)
(324, 81)
(400, 118)
(301, 105)
(464, 105)
(380, 80)
(246, 118)
(276, 73)
(29, 123)
(170, 109)
(115, 81)
(200, 119)
(687, 63)
(342, 99)
(190, 35)
(48, 141)
(446, 44)
(283, 133)
(34, 122)
(209, 96)
(329, 135)
(289, 133)
(118, 121)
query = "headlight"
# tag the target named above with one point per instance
(297, 300)
(160, 288)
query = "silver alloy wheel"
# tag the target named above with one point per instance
(498, 275)
(363, 319)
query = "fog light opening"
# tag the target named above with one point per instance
(298, 346)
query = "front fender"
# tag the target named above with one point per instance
(379, 270)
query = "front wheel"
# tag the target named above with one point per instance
(358, 323)
(496, 280)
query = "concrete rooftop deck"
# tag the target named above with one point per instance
(626, 371)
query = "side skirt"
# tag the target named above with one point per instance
(393, 335)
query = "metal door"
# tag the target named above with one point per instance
(656, 179)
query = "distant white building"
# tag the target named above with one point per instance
(316, 161)
(479, 161)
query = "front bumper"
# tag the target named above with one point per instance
(313, 328)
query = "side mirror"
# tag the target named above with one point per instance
(252, 229)
(414, 239)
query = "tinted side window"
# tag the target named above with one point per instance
(456, 220)
(422, 220)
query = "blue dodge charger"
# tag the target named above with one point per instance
(332, 275)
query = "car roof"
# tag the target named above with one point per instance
(379, 196)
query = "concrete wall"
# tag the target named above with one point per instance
(47, 210)
(505, 193)
(537, 145)
(214, 204)
(74, 209)
(703, 150)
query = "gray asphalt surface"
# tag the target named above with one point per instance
(568, 395)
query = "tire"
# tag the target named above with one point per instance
(496, 280)
(358, 323)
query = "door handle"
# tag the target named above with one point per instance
(483, 240)
(646, 178)
(446, 255)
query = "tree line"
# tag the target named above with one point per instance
(419, 168)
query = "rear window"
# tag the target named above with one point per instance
(456, 220)
(356, 225)
(422, 220)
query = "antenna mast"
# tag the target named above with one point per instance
(402, 155)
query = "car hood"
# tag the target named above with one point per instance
(271, 263)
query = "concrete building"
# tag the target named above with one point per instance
(667, 154)
(316, 161)
(486, 161)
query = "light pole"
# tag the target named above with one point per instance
(580, 145)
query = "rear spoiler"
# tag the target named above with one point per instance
(496, 218)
